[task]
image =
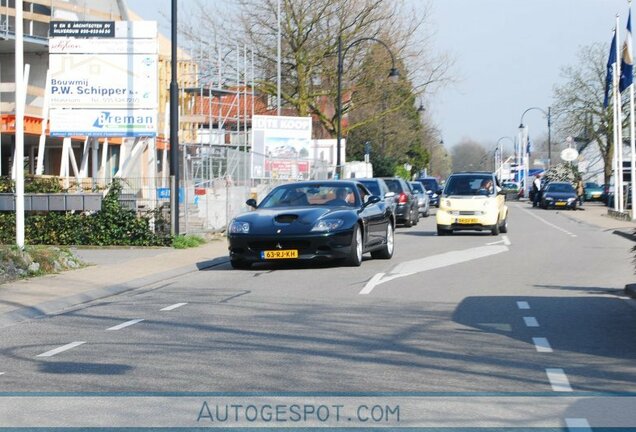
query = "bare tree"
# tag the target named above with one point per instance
(310, 31)
(579, 103)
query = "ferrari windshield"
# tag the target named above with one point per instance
(295, 195)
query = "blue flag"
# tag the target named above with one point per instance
(611, 61)
(627, 61)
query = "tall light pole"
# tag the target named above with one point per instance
(393, 75)
(524, 143)
(548, 117)
(174, 127)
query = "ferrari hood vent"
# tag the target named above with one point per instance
(286, 218)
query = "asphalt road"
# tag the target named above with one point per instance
(537, 310)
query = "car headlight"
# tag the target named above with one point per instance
(571, 199)
(238, 227)
(447, 203)
(434, 195)
(549, 198)
(327, 225)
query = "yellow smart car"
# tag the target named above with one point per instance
(472, 201)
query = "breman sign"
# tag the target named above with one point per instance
(104, 123)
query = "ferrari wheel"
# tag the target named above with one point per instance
(387, 250)
(355, 256)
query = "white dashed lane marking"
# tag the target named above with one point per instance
(124, 325)
(173, 307)
(63, 348)
(541, 344)
(523, 305)
(531, 322)
(558, 380)
(550, 224)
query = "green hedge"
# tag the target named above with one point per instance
(113, 225)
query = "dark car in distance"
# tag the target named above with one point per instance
(558, 195)
(312, 220)
(377, 186)
(433, 189)
(593, 192)
(406, 210)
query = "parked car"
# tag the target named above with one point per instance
(423, 201)
(433, 189)
(313, 220)
(593, 192)
(378, 186)
(510, 186)
(406, 211)
(558, 195)
(471, 201)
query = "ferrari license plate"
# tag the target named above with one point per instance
(467, 220)
(561, 203)
(279, 254)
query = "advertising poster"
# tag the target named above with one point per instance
(281, 147)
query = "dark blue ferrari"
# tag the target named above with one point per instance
(313, 220)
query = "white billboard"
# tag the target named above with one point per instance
(103, 123)
(103, 81)
(103, 78)
(281, 146)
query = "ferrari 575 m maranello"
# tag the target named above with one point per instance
(313, 220)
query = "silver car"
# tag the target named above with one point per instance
(423, 200)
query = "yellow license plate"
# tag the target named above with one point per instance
(279, 254)
(561, 203)
(596, 195)
(467, 220)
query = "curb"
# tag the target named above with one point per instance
(55, 307)
(630, 290)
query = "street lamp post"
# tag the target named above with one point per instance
(393, 74)
(523, 143)
(174, 127)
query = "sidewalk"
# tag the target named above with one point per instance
(110, 271)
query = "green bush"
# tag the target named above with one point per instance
(113, 225)
(187, 241)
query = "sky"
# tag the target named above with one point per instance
(508, 57)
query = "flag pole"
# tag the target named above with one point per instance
(618, 115)
(614, 122)
(632, 127)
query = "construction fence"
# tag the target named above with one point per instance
(215, 182)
